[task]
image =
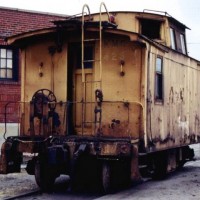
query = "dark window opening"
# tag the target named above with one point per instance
(151, 28)
(88, 57)
(88, 54)
(159, 79)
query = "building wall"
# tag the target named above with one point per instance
(13, 22)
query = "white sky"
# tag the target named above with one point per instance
(185, 11)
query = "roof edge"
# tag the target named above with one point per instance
(33, 11)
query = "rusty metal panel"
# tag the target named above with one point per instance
(101, 148)
(121, 119)
(135, 174)
(115, 149)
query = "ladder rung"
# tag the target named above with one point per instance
(142, 166)
(90, 40)
(92, 81)
(142, 154)
(91, 122)
(85, 61)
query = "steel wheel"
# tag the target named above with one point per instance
(160, 165)
(43, 176)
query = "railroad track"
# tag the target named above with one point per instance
(35, 192)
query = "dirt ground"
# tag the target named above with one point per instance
(183, 184)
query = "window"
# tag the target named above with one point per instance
(182, 39)
(151, 28)
(8, 63)
(159, 79)
(172, 37)
(88, 57)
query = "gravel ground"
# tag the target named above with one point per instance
(14, 184)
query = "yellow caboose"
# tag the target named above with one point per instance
(106, 98)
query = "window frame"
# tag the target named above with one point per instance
(183, 43)
(173, 38)
(159, 90)
(14, 60)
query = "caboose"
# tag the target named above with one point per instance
(106, 98)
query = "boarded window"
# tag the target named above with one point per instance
(150, 28)
(159, 79)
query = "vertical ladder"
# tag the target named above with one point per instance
(98, 91)
(85, 6)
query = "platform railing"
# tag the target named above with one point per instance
(118, 119)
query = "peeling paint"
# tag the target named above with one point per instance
(183, 125)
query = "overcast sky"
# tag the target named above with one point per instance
(186, 11)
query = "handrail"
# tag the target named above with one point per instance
(103, 4)
(65, 109)
(5, 117)
(100, 35)
(157, 11)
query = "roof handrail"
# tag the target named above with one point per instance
(103, 4)
(157, 11)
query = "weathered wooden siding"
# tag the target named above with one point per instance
(117, 88)
(54, 70)
(175, 121)
(54, 75)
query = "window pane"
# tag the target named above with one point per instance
(183, 43)
(9, 63)
(3, 63)
(172, 37)
(9, 73)
(159, 65)
(159, 79)
(158, 91)
(9, 53)
(3, 53)
(2, 73)
(88, 54)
